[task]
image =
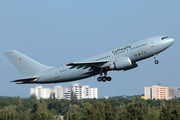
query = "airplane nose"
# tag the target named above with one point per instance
(171, 41)
(168, 42)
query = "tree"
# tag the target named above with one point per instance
(52, 95)
(59, 106)
(133, 99)
(33, 96)
(73, 95)
(73, 112)
(22, 115)
(154, 113)
(72, 116)
(19, 102)
(166, 112)
(6, 114)
(36, 116)
(175, 114)
(135, 111)
(43, 104)
(73, 108)
(111, 113)
(97, 112)
(42, 116)
(38, 107)
(20, 106)
(86, 105)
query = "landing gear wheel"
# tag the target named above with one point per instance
(99, 79)
(104, 79)
(156, 61)
(108, 78)
(155, 57)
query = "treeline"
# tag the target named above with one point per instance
(88, 109)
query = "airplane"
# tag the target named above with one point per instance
(120, 58)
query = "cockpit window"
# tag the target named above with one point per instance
(164, 38)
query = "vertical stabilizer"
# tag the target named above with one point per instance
(25, 65)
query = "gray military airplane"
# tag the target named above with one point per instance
(121, 58)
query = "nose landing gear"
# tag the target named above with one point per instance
(155, 57)
(156, 61)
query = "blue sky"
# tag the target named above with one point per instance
(55, 32)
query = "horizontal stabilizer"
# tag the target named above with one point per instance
(32, 79)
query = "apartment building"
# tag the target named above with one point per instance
(174, 93)
(157, 92)
(81, 92)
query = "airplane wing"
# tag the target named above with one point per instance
(87, 64)
(31, 79)
(90, 62)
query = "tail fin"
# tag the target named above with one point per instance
(25, 65)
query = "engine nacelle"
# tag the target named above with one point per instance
(134, 65)
(121, 64)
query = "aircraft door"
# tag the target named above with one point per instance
(56, 73)
(112, 56)
(152, 42)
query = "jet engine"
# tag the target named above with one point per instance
(134, 65)
(121, 64)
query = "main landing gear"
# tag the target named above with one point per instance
(156, 61)
(104, 79)
(99, 79)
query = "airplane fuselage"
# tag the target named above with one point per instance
(134, 52)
